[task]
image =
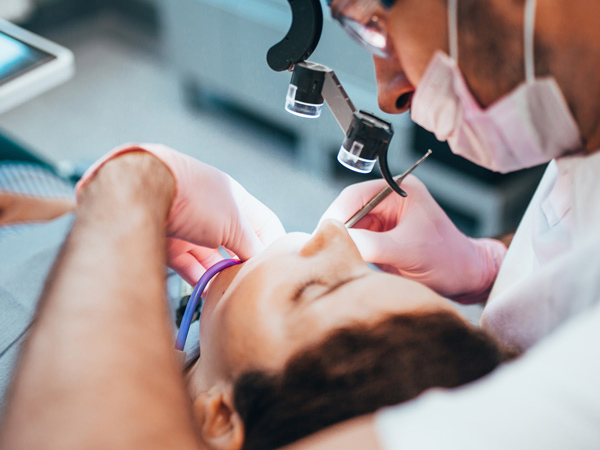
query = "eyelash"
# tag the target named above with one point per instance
(303, 286)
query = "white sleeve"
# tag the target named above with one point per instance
(548, 399)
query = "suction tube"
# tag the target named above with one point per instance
(195, 298)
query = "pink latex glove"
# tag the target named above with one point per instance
(413, 237)
(210, 209)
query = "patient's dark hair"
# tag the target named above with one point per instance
(357, 370)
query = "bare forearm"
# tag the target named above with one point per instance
(18, 208)
(98, 369)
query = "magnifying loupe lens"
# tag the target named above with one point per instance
(367, 137)
(352, 161)
(298, 108)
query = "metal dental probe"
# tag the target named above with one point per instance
(377, 199)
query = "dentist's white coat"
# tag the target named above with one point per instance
(546, 300)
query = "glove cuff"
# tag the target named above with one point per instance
(162, 153)
(91, 172)
(491, 253)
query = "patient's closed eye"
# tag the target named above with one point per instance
(319, 287)
(310, 285)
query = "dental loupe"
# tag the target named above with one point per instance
(367, 136)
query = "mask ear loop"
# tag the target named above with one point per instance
(530, 9)
(453, 28)
(529, 32)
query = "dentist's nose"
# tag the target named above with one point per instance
(394, 91)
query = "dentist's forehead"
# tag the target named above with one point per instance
(340, 4)
(355, 8)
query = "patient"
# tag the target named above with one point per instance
(306, 335)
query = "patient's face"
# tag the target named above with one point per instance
(258, 314)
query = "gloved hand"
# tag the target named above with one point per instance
(414, 238)
(210, 209)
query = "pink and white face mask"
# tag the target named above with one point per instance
(529, 126)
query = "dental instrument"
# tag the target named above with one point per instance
(378, 198)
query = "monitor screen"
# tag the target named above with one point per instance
(17, 57)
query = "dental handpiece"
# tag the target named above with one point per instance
(377, 199)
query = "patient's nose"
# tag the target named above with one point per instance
(331, 236)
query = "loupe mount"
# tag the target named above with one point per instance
(302, 38)
(367, 136)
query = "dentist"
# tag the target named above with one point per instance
(509, 85)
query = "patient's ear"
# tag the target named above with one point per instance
(220, 425)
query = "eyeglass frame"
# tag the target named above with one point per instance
(359, 33)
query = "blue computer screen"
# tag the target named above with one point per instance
(17, 57)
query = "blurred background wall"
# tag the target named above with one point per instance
(192, 74)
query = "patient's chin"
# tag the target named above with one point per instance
(218, 286)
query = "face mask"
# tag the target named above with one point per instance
(530, 126)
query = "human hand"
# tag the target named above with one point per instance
(413, 237)
(209, 210)
(20, 208)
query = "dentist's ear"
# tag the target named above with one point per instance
(220, 426)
